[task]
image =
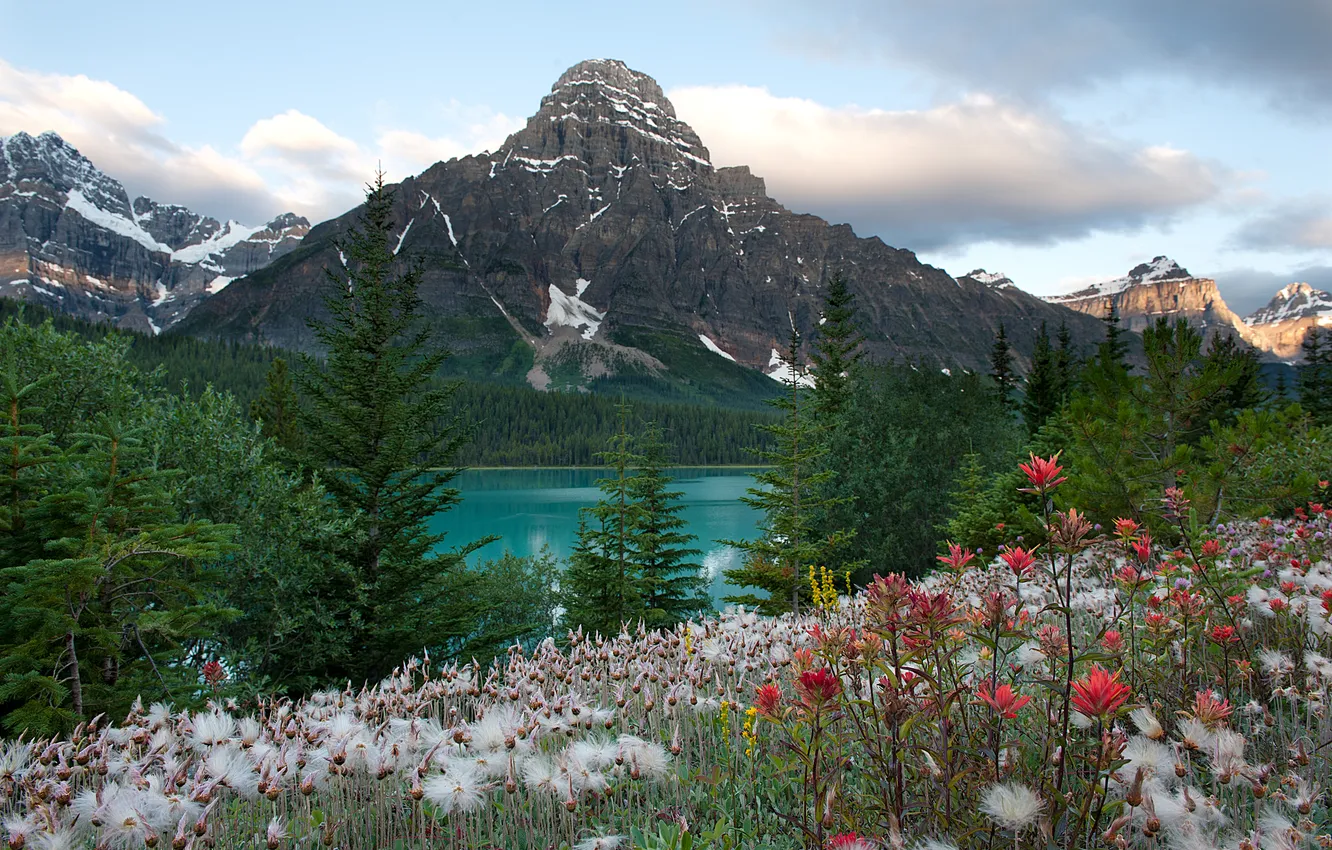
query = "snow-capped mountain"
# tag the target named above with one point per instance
(1281, 326)
(994, 280)
(602, 239)
(1160, 288)
(71, 239)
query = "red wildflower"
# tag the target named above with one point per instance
(1101, 694)
(768, 698)
(1315, 508)
(1002, 700)
(1224, 635)
(1126, 528)
(957, 557)
(1019, 560)
(848, 841)
(1043, 473)
(1112, 641)
(213, 674)
(1211, 548)
(1142, 547)
(1209, 710)
(818, 686)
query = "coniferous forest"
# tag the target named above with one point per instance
(1083, 603)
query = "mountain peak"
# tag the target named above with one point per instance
(601, 116)
(1293, 302)
(995, 280)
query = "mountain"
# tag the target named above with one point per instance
(600, 244)
(1159, 288)
(994, 280)
(1281, 326)
(72, 240)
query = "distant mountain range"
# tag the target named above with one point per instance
(71, 239)
(597, 248)
(1163, 287)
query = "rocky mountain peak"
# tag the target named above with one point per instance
(49, 166)
(604, 117)
(1293, 302)
(997, 280)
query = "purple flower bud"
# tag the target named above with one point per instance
(1267, 573)
(1234, 552)
(1280, 529)
(1096, 527)
(1318, 535)
(979, 550)
(1183, 584)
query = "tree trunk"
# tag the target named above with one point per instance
(76, 685)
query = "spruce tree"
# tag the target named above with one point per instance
(789, 493)
(670, 587)
(600, 590)
(835, 351)
(1113, 351)
(1066, 363)
(384, 431)
(1042, 392)
(1001, 369)
(277, 408)
(1315, 375)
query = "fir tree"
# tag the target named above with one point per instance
(1066, 363)
(789, 493)
(373, 422)
(1315, 375)
(1042, 391)
(670, 588)
(277, 409)
(835, 352)
(1113, 351)
(601, 587)
(1001, 369)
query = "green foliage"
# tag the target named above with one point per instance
(791, 495)
(909, 434)
(384, 435)
(669, 585)
(601, 587)
(836, 351)
(1315, 375)
(1001, 369)
(1042, 392)
(515, 600)
(277, 410)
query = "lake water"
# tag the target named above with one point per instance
(531, 508)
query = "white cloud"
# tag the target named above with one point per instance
(289, 161)
(962, 172)
(1302, 224)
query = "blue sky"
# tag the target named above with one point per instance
(1057, 142)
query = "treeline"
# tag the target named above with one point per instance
(511, 425)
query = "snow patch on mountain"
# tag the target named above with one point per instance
(570, 311)
(714, 347)
(1294, 301)
(996, 280)
(1160, 269)
(779, 370)
(232, 234)
(76, 201)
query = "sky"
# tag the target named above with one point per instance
(1060, 143)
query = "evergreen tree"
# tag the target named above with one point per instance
(601, 587)
(835, 352)
(789, 493)
(1042, 386)
(385, 434)
(670, 586)
(1113, 351)
(1315, 375)
(277, 409)
(1001, 369)
(1066, 363)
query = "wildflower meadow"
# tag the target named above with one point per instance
(1093, 688)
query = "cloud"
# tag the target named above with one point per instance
(1247, 289)
(289, 161)
(1301, 224)
(975, 170)
(1037, 46)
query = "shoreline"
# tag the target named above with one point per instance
(533, 468)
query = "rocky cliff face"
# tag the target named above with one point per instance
(1159, 288)
(1282, 325)
(602, 239)
(71, 239)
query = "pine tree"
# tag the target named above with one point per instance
(670, 586)
(277, 408)
(1315, 375)
(788, 493)
(1042, 392)
(97, 620)
(835, 352)
(1066, 363)
(1113, 351)
(373, 424)
(601, 587)
(1001, 369)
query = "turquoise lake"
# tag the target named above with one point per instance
(531, 508)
